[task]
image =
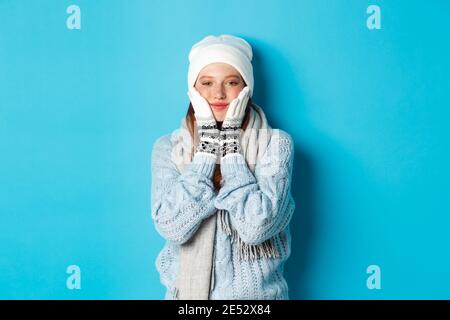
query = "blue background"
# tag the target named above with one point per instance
(368, 110)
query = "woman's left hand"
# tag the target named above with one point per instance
(231, 127)
(236, 110)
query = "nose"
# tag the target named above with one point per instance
(219, 93)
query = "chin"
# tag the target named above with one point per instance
(220, 116)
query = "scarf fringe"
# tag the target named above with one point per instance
(246, 251)
(175, 294)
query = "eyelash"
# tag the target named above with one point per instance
(206, 83)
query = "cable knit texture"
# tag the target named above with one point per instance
(259, 206)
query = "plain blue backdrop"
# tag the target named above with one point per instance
(368, 110)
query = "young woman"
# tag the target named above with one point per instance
(221, 185)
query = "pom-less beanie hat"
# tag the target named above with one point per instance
(226, 49)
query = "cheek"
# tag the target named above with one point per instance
(234, 92)
(201, 90)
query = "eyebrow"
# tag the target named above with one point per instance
(229, 76)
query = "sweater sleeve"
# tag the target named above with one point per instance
(180, 201)
(260, 205)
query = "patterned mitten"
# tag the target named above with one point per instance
(230, 133)
(208, 133)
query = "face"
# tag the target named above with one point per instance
(219, 84)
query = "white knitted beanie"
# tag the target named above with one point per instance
(226, 49)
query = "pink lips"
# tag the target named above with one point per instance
(219, 106)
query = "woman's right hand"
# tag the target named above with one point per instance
(208, 131)
(201, 107)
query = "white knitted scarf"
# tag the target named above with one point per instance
(196, 260)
